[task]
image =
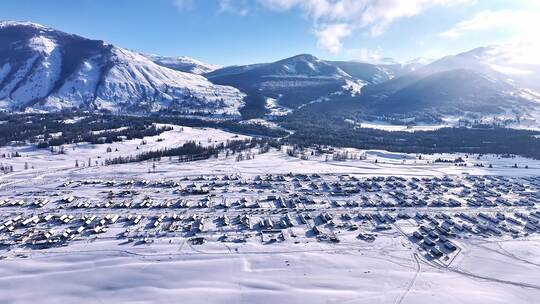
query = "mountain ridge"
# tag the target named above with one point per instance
(43, 69)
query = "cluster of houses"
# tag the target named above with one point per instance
(276, 207)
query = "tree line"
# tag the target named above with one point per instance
(191, 151)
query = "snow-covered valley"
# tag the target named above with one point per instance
(265, 228)
(129, 177)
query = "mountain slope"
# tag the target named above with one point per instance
(42, 69)
(183, 64)
(453, 85)
(375, 73)
(48, 70)
(286, 84)
(291, 83)
(451, 92)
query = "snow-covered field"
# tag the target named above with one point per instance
(378, 162)
(385, 126)
(275, 109)
(159, 265)
(381, 272)
(389, 127)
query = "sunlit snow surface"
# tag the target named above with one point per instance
(297, 270)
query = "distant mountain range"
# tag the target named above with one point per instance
(42, 69)
(477, 81)
(297, 81)
(184, 64)
(483, 82)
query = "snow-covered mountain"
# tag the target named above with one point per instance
(184, 64)
(304, 79)
(300, 66)
(372, 73)
(483, 81)
(417, 63)
(518, 63)
(48, 70)
(380, 70)
(291, 83)
(42, 69)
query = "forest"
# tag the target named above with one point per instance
(51, 130)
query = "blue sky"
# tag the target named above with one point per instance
(247, 31)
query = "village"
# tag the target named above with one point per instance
(434, 214)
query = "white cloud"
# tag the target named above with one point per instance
(183, 4)
(515, 53)
(366, 55)
(344, 16)
(329, 36)
(239, 7)
(523, 22)
(334, 20)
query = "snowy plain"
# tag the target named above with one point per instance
(171, 270)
